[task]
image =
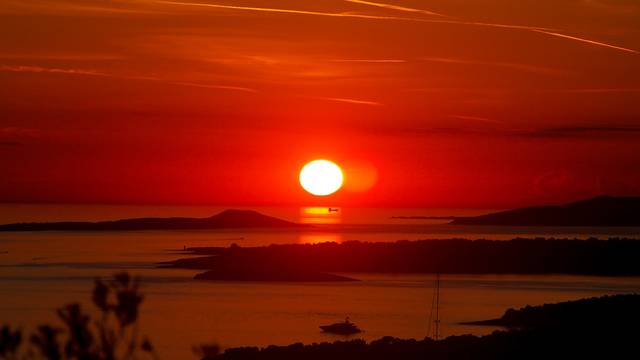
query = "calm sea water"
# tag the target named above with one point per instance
(40, 271)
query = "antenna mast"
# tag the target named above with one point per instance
(436, 335)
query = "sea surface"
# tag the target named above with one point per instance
(40, 271)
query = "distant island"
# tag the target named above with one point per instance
(598, 211)
(225, 219)
(304, 262)
(596, 328)
(271, 274)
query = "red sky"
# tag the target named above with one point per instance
(449, 103)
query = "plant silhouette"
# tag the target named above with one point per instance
(112, 335)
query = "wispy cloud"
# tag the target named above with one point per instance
(395, 7)
(61, 56)
(582, 131)
(85, 72)
(19, 131)
(39, 69)
(346, 100)
(61, 7)
(516, 66)
(475, 118)
(596, 90)
(369, 60)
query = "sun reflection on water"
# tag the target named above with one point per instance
(320, 215)
(319, 238)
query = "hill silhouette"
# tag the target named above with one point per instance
(614, 257)
(607, 330)
(598, 211)
(226, 219)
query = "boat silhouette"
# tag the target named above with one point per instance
(342, 328)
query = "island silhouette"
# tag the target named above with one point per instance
(226, 219)
(311, 262)
(598, 211)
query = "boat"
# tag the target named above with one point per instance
(342, 328)
(333, 209)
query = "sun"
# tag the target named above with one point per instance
(321, 177)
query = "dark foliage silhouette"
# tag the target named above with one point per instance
(113, 335)
(519, 256)
(598, 335)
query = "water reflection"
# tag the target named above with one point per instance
(311, 238)
(320, 215)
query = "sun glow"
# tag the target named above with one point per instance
(321, 177)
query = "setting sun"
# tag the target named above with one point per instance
(321, 177)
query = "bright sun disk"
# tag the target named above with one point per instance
(321, 177)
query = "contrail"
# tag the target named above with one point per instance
(352, 15)
(39, 69)
(348, 101)
(369, 60)
(286, 11)
(395, 7)
(593, 42)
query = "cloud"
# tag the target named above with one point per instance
(515, 66)
(61, 7)
(347, 100)
(62, 56)
(369, 60)
(14, 131)
(582, 131)
(12, 136)
(86, 72)
(475, 118)
(39, 69)
(395, 7)
(597, 90)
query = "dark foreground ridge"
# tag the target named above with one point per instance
(623, 309)
(599, 211)
(613, 257)
(225, 219)
(596, 329)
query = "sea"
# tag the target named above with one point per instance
(41, 271)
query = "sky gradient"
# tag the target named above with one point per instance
(442, 103)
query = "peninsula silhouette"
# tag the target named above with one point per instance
(599, 211)
(225, 219)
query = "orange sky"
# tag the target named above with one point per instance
(487, 103)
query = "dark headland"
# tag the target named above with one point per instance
(598, 211)
(597, 328)
(613, 257)
(225, 219)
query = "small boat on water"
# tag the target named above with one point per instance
(341, 328)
